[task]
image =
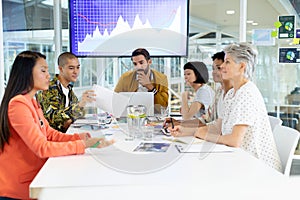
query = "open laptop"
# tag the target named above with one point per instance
(123, 99)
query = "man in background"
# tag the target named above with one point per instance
(144, 79)
(222, 89)
(59, 103)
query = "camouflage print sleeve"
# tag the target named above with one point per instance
(53, 106)
(74, 111)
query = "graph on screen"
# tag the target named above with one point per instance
(117, 27)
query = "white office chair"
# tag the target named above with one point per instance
(286, 140)
(274, 121)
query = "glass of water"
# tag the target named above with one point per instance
(148, 132)
(102, 119)
(136, 115)
(164, 112)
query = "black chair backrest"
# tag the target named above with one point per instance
(285, 115)
(290, 122)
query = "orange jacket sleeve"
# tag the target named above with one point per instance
(27, 120)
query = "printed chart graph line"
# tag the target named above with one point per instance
(164, 23)
(94, 22)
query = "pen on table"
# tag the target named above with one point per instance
(172, 123)
(179, 148)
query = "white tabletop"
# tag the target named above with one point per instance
(116, 172)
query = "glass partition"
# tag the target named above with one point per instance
(279, 83)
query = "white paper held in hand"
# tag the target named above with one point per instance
(106, 98)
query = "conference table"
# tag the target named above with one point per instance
(119, 172)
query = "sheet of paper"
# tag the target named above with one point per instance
(106, 100)
(184, 140)
(204, 147)
(85, 121)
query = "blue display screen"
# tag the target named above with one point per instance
(117, 27)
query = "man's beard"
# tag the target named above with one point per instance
(147, 69)
(144, 70)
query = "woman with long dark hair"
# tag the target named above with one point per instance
(26, 139)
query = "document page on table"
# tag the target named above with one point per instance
(85, 121)
(204, 147)
(184, 140)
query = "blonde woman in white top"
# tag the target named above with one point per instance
(244, 122)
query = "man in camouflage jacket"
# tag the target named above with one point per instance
(59, 103)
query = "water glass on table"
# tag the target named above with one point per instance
(136, 115)
(148, 132)
(102, 119)
(164, 112)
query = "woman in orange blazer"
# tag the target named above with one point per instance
(26, 139)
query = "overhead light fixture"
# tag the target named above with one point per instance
(48, 2)
(254, 23)
(230, 12)
(64, 4)
(250, 21)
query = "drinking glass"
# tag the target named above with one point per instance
(102, 119)
(164, 112)
(136, 115)
(148, 132)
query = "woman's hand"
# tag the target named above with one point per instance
(176, 131)
(84, 136)
(168, 122)
(98, 142)
(184, 123)
(179, 131)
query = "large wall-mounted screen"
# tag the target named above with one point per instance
(116, 27)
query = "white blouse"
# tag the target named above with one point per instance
(246, 106)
